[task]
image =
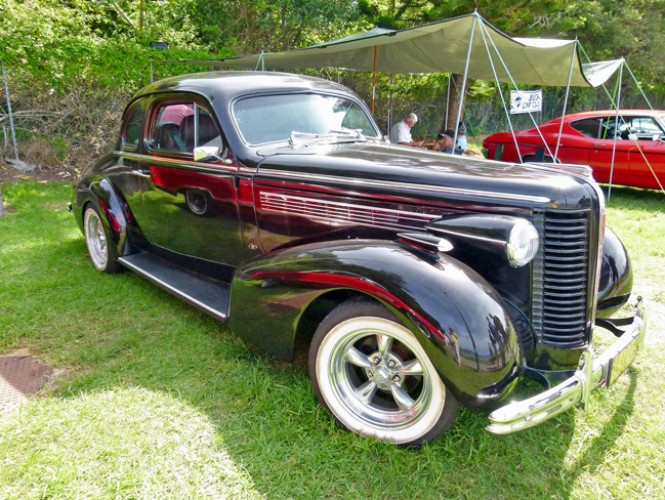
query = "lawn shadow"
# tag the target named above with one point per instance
(267, 416)
(118, 332)
(269, 421)
(599, 446)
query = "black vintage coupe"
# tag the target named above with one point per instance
(420, 281)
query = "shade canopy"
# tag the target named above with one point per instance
(445, 46)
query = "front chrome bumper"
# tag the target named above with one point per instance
(591, 374)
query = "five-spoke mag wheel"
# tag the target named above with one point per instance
(98, 241)
(376, 379)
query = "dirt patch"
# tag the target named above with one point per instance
(21, 374)
(41, 173)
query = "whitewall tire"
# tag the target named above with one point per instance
(375, 378)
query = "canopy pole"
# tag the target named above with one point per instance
(9, 111)
(450, 82)
(565, 101)
(466, 74)
(512, 81)
(374, 78)
(390, 104)
(485, 35)
(261, 61)
(616, 129)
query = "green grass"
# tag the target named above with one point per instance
(157, 400)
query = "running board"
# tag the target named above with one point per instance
(210, 296)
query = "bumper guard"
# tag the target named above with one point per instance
(591, 374)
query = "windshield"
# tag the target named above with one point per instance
(263, 119)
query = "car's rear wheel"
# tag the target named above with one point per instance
(534, 159)
(198, 201)
(98, 240)
(375, 378)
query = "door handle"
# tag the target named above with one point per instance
(142, 173)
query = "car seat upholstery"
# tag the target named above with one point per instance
(207, 131)
(187, 132)
(168, 137)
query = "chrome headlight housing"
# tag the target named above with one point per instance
(522, 244)
(513, 238)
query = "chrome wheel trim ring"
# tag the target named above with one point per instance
(95, 239)
(349, 397)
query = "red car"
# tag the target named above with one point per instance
(588, 139)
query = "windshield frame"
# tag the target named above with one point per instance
(351, 99)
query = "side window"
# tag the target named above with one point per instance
(166, 134)
(133, 127)
(356, 119)
(183, 126)
(625, 127)
(645, 127)
(199, 129)
(609, 127)
(589, 127)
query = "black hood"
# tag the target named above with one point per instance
(403, 167)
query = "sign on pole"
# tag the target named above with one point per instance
(525, 101)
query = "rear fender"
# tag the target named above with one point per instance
(453, 312)
(100, 192)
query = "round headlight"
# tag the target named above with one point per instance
(522, 244)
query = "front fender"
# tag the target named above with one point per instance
(453, 311)
(616, 276)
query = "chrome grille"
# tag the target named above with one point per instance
(561, 279)
(343, 213)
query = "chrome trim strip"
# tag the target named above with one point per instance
(393, 184)
(175, 291)
(177, 162)
(591, 375)
(468, 236)
(191, 165)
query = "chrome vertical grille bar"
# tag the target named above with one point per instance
(561, 279)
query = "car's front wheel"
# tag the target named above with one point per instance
(375, 378)
(97, 239)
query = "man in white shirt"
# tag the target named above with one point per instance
(400, 133)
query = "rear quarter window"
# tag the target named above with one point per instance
(133, 127)
(589, 127)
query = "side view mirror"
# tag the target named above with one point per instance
(632, 137)
(205, 153)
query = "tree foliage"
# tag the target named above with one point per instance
(62, 44)
(59, 52)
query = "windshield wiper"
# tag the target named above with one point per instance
(356, 133)
(297, 138)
